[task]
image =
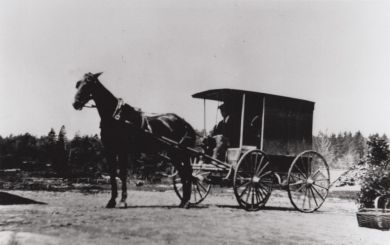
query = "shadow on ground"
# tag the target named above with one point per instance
(263, 208)
(10, 199)
(164, 206)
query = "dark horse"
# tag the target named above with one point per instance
(123, 131)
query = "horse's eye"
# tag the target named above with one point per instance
(78, 84)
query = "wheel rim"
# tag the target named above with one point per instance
(308, 181)
(200, 186)
(253, 180)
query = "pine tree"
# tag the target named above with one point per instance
(61, 149)
(359, 143)
(75, 150)
(51, 146)
(379, 152)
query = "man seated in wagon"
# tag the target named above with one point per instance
(226, 133)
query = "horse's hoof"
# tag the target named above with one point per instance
(122, 204)
(111, 204)
(185, 205)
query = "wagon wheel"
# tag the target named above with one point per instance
(308, 181)
(253, 180)
(200, 186)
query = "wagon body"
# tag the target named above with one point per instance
(278, 125)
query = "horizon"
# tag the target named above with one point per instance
(156, 54)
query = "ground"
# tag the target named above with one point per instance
(152, 217)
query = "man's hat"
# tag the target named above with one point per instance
(225, 106)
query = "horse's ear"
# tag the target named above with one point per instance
(96, 75)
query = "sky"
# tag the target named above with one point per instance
(156, 53)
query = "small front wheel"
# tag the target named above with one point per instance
(253, 180)
(200, 184)
(308, 181)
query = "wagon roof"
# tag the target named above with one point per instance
(227, 93)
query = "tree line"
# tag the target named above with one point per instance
(85, 154)
(54, 151)
(344, 149)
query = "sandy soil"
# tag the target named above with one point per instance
(153, 218)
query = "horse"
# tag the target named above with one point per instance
(122, 131)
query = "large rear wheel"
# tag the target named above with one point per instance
(200, 184)
(308, 181)
(253, 180)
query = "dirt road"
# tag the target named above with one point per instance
(152, 218)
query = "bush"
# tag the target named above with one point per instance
(376, 181)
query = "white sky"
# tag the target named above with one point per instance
(156, 53)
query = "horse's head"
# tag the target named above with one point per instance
(85, 88)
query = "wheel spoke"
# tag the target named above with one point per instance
(267, 182)
(321, 180)
(315, 173)
(299, 182)
(260, 163)
(247, 196)
(304, 199)
(308, 198)
(318, 193)
(262, 169)
(261, 192)
(304, 175)
(298, 177)
(194, 191)
(266, 173)
(302, 164)
(254, 163)
(300, 188)
(314, 197)
(199, 191)
(253, 197)
(258, 200)
(320, 186)
(244, 184)
(264, 191)
(309, 166)
(243, 192)
(201, 185)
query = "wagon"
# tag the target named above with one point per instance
(274, 152)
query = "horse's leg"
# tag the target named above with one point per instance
(114, 188)
(185, 172)
(123, 176)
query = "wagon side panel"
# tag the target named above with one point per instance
(288, 126)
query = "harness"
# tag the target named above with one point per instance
(118, 115)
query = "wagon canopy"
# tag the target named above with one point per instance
(278, 125)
